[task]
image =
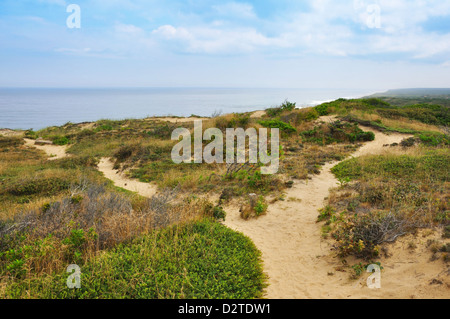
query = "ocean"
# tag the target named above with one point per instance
(38, 108)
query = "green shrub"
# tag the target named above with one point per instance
(322, 109)
(274, 111)
(287, 106)
(31, 134)
(33, 185)
(103, 127)
(60, 140)
(219, 213)
(434, 139)
(239, 120)
(260, 206)
(274, 123)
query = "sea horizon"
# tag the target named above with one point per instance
(37, 108)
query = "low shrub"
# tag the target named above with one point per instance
(196, 260)
(274, 123)
(60, 140)
(10, 142)
(434, 139)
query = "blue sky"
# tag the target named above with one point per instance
(367, 44)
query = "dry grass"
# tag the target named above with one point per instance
(74, 228)
(397, 124)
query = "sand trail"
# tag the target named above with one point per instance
(299, 262)
(105, 166)
(144, 189)
(53, 151)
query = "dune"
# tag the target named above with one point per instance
(298, 261)
(300, 264)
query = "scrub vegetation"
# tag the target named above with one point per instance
(54, 213)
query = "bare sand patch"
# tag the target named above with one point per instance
(378, 145)
(53, 151)
(257, 114)
(10, 133)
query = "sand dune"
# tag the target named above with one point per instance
(299, 262)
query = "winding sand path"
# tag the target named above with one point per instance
(105, 166)
(144, 189)
(299, 262)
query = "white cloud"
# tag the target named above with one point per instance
(235, 10)
(327, 28)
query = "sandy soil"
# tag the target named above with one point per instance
(300, 264)
(258, 114)
(144, 189)
(10, 133)
(53, 151)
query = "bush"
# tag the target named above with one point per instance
(434, 139)
(274, 112)
(31, 134)
(260, 206)
(60, 140)
(336, 132)
(284, 127)
(42, 185)
(10, 142)
(408, 142)
(362, 235)
(287, 106)
(239, 120)
(219, 213)
(198, 260)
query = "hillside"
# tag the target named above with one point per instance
(402, 97)
(201, 231)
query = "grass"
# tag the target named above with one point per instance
(386, 117)
(388, 196)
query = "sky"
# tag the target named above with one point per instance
(354, 44)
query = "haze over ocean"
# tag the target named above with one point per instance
(22, 108)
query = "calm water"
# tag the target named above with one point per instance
(39, 108)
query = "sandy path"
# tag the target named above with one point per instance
(53, 151)
(105, 166)
(298, 261)
(144, 189)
